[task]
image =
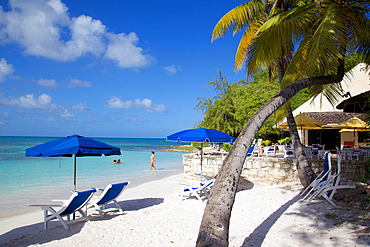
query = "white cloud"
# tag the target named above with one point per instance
(146, 104)
(49, 83)
(172, 69)
(67, 114)
(79, 83)
(36, 26)
(5, 69)
(159, 108)
(81, 107)
(29, 101)
(122, 49)
(87, 36)
(15, 77)
(44, 28)
(116, 102)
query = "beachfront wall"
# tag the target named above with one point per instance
(350, 170)
(269, 169)
(255, 169)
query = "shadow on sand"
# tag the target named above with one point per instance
(258, 235)
(34, 234)
(327, 217)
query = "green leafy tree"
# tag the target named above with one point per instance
(324, 32)
(220, 84)
(219, 111)
(248, 99)
(352, 59)
(231, 111)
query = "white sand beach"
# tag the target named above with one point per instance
(263, 215)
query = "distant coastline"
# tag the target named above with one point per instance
(181, 149)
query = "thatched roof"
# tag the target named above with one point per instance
(334, 117)
(356, 103)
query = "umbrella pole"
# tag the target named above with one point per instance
(201, 161)
(74, 171)
(74, 178)
(302, 136)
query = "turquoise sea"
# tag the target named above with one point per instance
(36, 180)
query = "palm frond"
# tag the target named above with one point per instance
(244, 44)
(329, 38)
(238, 18)
(283, 30)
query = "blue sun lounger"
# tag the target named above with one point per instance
(327, 188)
(109, 194)
(74, 204)
(320, 179)
(200, 191)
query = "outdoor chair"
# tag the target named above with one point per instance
(321, 154)
(254, 149)
(329, 187)
(74, 204)
(308, 152)
(363, 154)
(109, 194)
(257, 151)
(356, 154)
(251, 150)
(320, 179)
(347, 154)
(271, 150)
(316, 148)
(200, 191)
(288, 150)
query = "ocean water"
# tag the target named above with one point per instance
(37, 180)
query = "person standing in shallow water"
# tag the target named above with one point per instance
(152, 161)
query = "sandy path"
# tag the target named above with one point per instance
(263, 215)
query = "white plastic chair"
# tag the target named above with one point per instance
(288, 150)
(200, 191)
(356, 154)
(320, 154)
(321, 178)
(308, 152)
(347, 154)
(271, 150)
(328, 188)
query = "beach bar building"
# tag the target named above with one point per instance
(356, 86)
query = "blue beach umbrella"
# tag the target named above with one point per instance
(201, 135)
(73, 146)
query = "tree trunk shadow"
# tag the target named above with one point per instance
(259, 234)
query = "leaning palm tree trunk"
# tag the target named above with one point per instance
(307, 172)
(306, 169)
(214, 228)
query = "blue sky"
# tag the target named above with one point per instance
(109, 68)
